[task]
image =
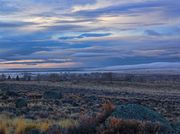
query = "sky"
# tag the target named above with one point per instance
(88, 33)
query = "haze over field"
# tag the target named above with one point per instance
(101, 34)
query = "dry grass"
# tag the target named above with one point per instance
(30, 127)
(87, 125)
(41, 125)
(130, 126)
(20, 126)
(44, 126)
(68, 123)
(3, 128)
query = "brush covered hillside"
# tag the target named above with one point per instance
(101, 103)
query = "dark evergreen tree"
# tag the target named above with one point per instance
(17, 78)
(3, 77)
(9, 77)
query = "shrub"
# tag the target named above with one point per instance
(142, 113)
(52, 95)
(87, 125)
(108, 107)
(90, 125)
(21, 102)
(176, 126)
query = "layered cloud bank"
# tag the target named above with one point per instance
(152, 68)
(88, 33)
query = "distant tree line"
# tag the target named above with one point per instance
(23, 77)
(110, 77)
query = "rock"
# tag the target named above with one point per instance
(52, 95)
(21, 102)
(142, 113)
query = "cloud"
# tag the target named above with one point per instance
(88, 33)
(7, 7)
(156, 67)
(42, 65)
(152, 33)
(85, 35)
(118, 8)
(93, 35)
(14, 24)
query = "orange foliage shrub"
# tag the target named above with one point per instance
(108, 107)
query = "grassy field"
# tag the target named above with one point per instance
(78, 99)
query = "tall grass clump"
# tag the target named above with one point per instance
(3, 128)
(67, 123)
(20, 126)
(44, 126)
